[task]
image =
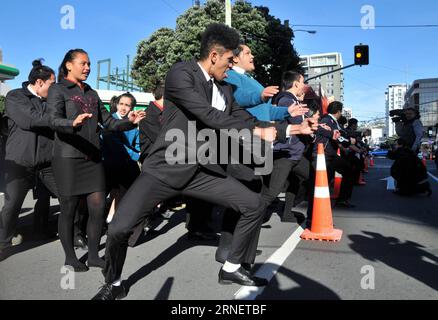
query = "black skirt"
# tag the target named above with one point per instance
(75, 176)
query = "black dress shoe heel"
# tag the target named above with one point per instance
(99, 263)
(110, 292)
(77, 266)
(241, 277)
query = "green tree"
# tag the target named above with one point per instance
(269, 39)
(2, 104)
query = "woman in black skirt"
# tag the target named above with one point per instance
(77, 115)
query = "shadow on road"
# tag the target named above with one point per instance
(25, 228)
(407, 257)
(307, 289)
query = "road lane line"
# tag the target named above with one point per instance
(269, 269)
(432, 176)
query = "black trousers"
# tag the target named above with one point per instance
(19, 180)
(198, 214)
(283, 170)
(147, 191)
(333, 164)
(229, 223)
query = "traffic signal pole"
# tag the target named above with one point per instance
(324, 74)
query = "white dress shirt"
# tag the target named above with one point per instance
(218, 99)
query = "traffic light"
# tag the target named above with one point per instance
(361, 56)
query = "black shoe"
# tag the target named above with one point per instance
(99, 263)
(110, 292)
(80, 243)
(241, 277)
(246, 267)
(44, 235)
(77, 266)
(344, 204)
(201, 236)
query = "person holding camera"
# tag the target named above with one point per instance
(409, 127)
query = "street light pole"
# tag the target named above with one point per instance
(228, 13)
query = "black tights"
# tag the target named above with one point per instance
(96, 209)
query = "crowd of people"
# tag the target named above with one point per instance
(63, 142)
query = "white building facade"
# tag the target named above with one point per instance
(394, 99)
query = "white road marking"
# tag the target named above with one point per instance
(269, 269)
(432, 176)
(390, 185)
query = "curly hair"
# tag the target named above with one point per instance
(218, 35)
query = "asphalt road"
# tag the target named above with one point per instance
(389, 250)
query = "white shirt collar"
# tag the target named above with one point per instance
(218, 99)
(239, 70)
(207, 76)
(336, 121)
(32, 91)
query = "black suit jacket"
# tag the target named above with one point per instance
(30, 139)
(186, 99)
(149, 129)
(326, 137)
(65, 102)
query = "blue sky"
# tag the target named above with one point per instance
(112, 29)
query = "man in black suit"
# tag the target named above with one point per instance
(332, 139)
(195, 99)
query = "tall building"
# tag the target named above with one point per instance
(347, 113)
(423, 96)
(316, 64)
(394, 98)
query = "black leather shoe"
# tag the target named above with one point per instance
(344, 204)
(247, 268)
(201, 236)
(80, 243)
(241, 277)
(110, 292)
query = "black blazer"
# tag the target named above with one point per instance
(326, 137)
(149, 129)
(30, 140)
(186, 99)
(65, 102)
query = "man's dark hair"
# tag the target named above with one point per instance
(218, 34)
(288, 79)
(158, 91)
(352, 122)
(334, 107)
(342, 121)
(39, 71)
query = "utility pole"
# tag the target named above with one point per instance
(228, 13)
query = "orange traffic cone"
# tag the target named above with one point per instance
(337, 183)
(372, 161)
(361, 180)
(322, 219)
(366, 164)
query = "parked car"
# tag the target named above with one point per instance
(379, 152)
